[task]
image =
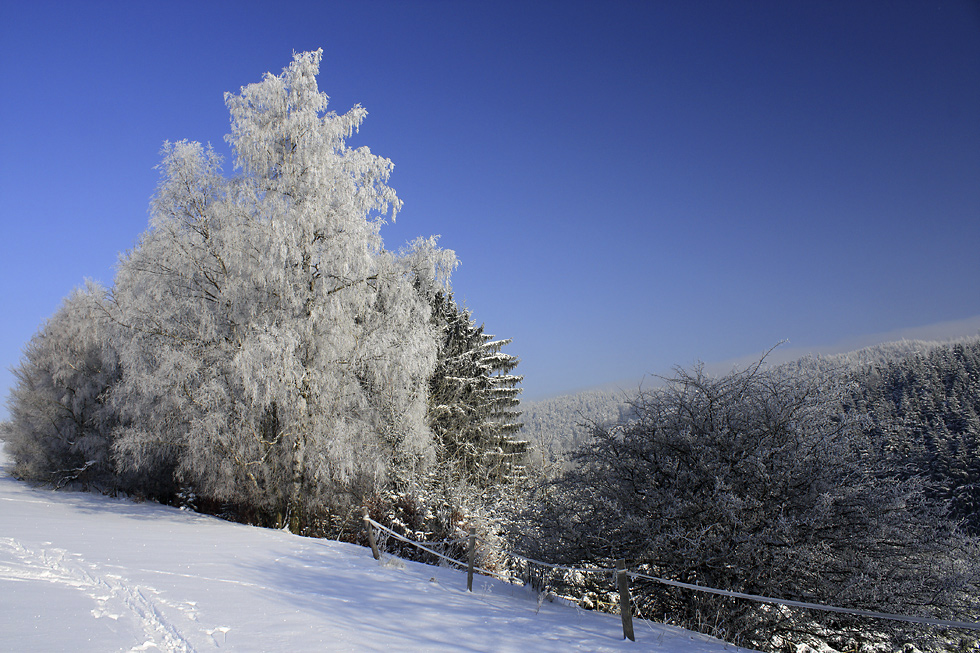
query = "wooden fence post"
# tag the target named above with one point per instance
(624, 600)
(370, 534)
(472, 558)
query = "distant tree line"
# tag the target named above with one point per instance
(557, 426)
(262, 354)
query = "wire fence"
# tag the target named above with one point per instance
(561, 580)
(441, 556)
(810, 606)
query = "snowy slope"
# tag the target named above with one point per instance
(80, 572)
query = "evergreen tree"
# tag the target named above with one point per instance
(924, 414)
(473, 401)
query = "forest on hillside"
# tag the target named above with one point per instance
(262, 355)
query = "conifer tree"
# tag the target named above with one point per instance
(924, 413)
(473, 400)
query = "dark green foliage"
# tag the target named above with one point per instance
(472, 412)
(473, 401)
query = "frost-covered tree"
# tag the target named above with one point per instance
(557, 426)
(275, 352)
(920, 402)
(924, 412)
(60, 424)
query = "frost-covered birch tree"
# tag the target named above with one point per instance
(275, 351)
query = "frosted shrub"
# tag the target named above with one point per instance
(759, 482)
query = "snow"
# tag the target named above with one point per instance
(81, 572)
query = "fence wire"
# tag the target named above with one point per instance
(559, 580)
(811, 606)
(402, 538)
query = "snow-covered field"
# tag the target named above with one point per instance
(80, 572)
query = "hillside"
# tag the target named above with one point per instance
(80, 572)
(557, 425)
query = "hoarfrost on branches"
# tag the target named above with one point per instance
(277, 354)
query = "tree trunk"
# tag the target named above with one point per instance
(296, 485)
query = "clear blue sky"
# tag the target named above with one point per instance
(629, 185)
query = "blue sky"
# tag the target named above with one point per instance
(629, 185)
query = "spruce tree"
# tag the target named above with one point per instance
(473, 399)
